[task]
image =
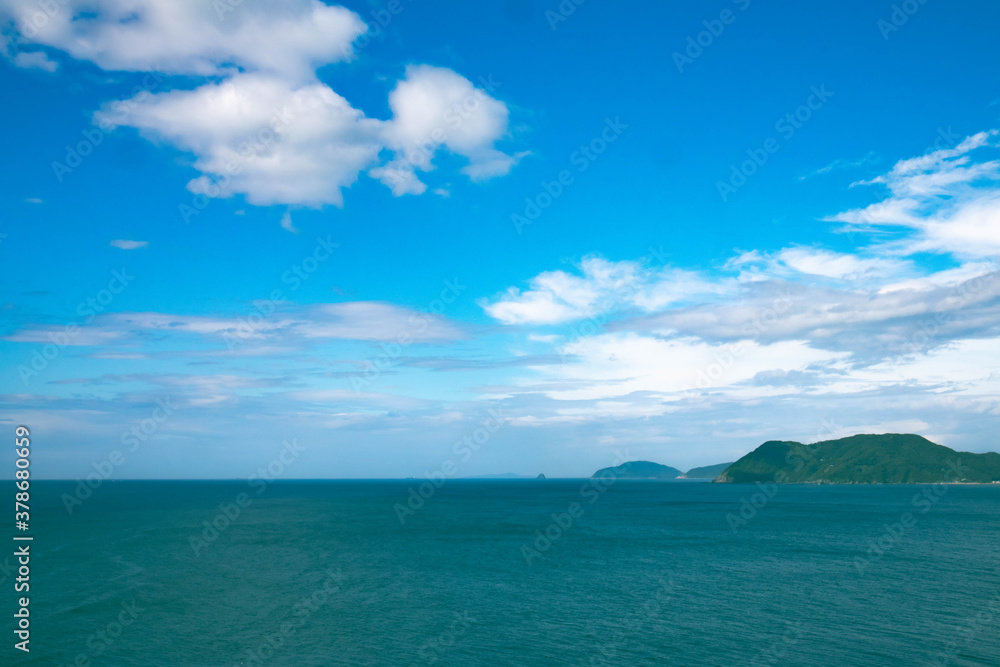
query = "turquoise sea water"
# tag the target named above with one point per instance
(640, 573)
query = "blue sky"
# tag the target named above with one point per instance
(336, 223)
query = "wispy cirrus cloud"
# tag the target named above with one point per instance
(125, 244)
(843, 163)
(291, 324)
(942, 202)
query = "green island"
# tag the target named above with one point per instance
(890, 458)
(650, 470)
(707, 472)
(639, 470)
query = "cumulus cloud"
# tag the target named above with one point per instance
(260, 123)
(289, 39)
(436, 108)
(256, 135)
(277, 143)
(603, 288)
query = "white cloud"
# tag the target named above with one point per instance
(287, 224)
(949, 201)
(259, 123)
(289, 39)
(970, 229)
(256, 135)
(945, 278)
(888, 212)
(35, 60)
(803, 319)
(604, 288)
(870, 323)
(356, 320)
(435, 108)
(128, 245)
(275, 143)
(376, 321)
(928, 174)
(616, 365)
(801, 262)
(968, 367)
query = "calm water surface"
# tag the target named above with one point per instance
(643, 573)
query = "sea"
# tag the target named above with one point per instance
(506, 572)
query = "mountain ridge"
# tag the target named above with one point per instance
(887, 458)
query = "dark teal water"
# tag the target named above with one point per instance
(649, 573)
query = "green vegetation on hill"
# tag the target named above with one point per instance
(707, 472)
(862, 459)
(639, 470)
